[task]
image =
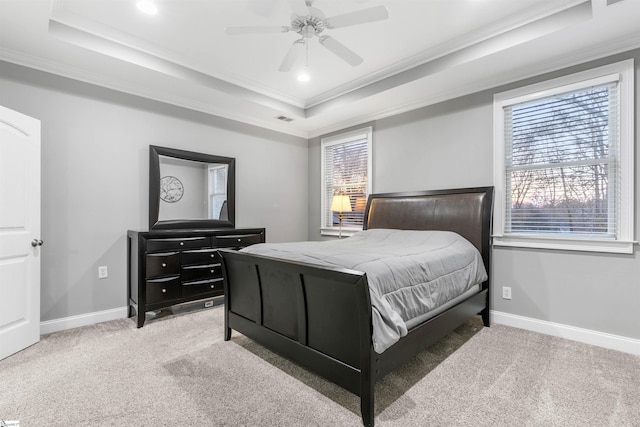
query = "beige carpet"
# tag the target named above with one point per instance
(177, 371)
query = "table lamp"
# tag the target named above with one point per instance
(340, 204)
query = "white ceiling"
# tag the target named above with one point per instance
(425, 52)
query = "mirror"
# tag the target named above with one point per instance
(190, 190)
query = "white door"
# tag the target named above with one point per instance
(20, 243)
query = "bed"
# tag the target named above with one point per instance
(320, 316)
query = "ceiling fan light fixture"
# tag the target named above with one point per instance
(309, 22)
(303, 75)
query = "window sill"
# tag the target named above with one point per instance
(346, 232)
(564, 244)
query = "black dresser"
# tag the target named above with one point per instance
(169, 267)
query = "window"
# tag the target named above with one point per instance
(564, 162)
(346, 171)
(217, 189)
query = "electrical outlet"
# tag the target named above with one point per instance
(103, 273)
(506, 292)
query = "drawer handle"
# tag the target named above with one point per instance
(213, 270)
(164, 264)
(164, 291)
(239, 240)
(212, 256)
(181, 243)
(213, 286)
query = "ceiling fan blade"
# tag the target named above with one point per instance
(299, 7)
(291, 56)
(257, 29)
(340, 50)
(363, 16)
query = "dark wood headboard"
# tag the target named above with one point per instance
(466, 211)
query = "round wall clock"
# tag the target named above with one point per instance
(171, 189)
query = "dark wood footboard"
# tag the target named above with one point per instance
(320, 317)
(317, 317)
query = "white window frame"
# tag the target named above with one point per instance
(624, 72)
(343, 138)
(211, 194)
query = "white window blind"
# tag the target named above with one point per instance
(562, 162)
(346, 161)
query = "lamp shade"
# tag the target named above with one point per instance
(341, 203)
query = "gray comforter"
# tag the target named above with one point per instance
(410, 273)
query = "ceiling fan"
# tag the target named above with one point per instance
(308, 22)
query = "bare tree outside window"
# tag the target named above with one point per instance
(559, 157)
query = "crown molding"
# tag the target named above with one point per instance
(78, 74)
(298, 128)
(592, 53)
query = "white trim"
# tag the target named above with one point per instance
(120, 85)
(586, 336)
(560, 85)
(433, 97)
(346, 232)
(585, 245)
(620, 45)
(344, 137)
(64, 323)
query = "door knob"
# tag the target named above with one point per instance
(36, 242)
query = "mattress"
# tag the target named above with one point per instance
(410, 273)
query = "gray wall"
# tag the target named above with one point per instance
(95, 177)
(94, 187)
(450, 145)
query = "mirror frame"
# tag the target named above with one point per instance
(154, 189)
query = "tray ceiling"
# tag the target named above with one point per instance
(425, 52)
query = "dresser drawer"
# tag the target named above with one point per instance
(201, 272)
(205, 287)
(200, 256)
(238, 240)
(163, 264)
(162, 290)
(178, 243)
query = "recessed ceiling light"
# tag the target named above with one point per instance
(148, 7)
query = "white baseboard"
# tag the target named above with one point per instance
(71, 322)
(587, 336)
